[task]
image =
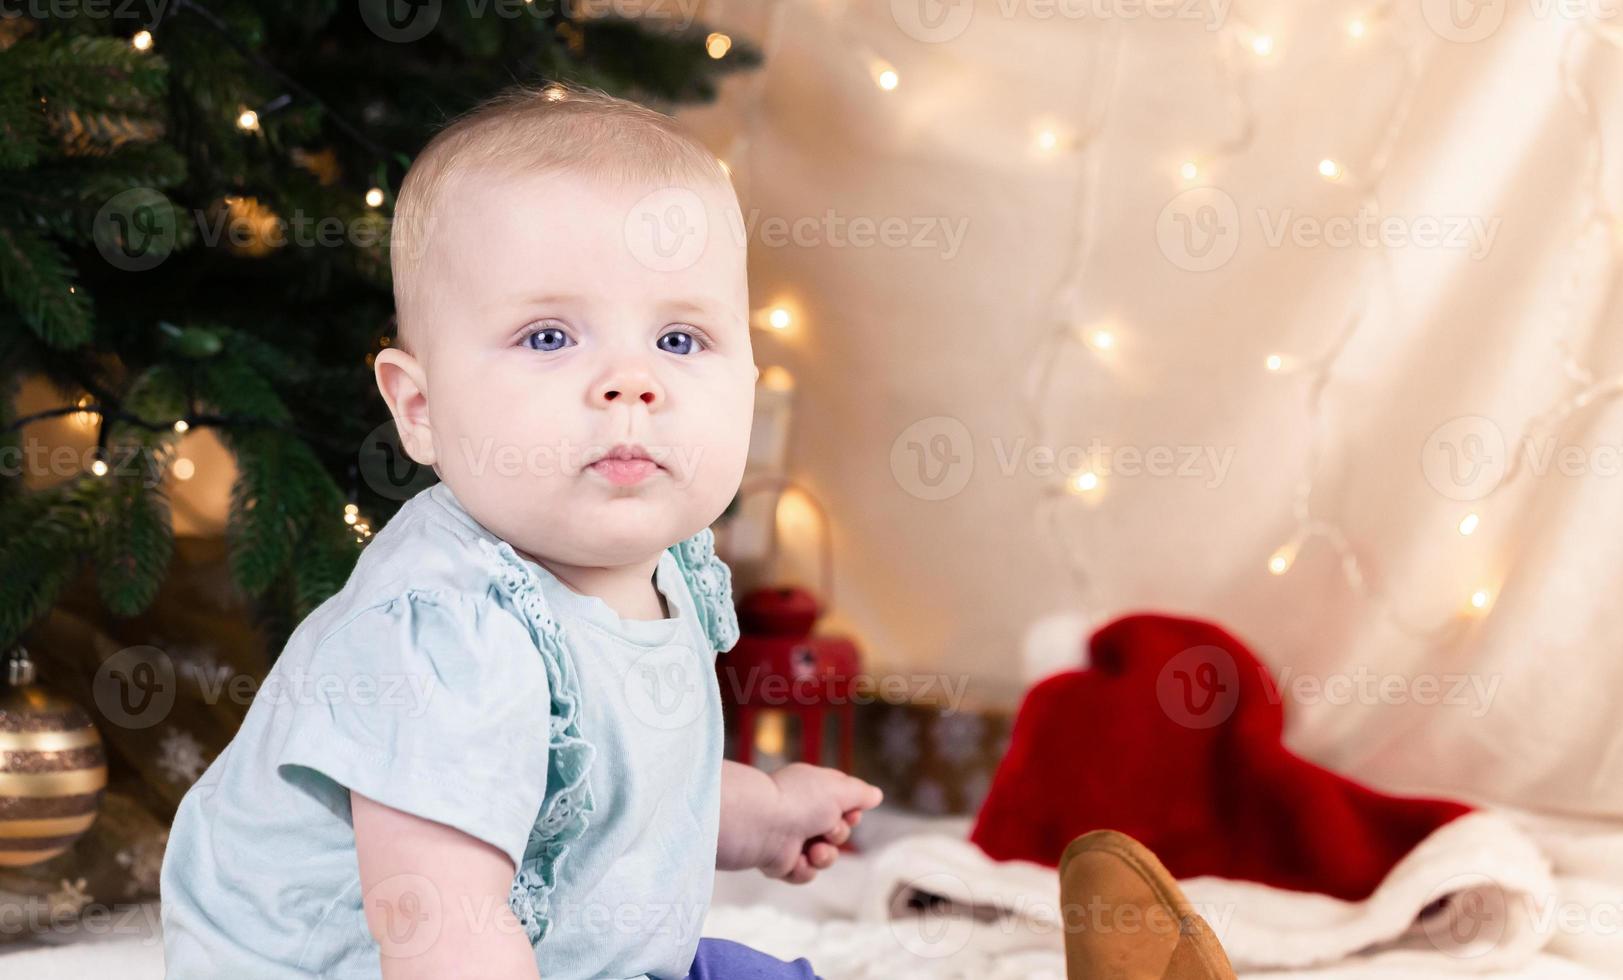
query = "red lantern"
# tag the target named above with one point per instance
(778, 665)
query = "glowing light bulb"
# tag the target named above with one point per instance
(181, 425)
(771, 733)
(374, 197)
(351, 509)
(888, 79)
(1274, 362)
(1469, 523)
(777, 378)
(184, 469)
(99, 467)
(350, 518)
(83, 417)
(717, 45)
(248, 121)
(779, 318)
(1263, 45)
(141, 41)
(554, 93)
(1084, 482)
(1329, 169)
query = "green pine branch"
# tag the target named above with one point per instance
(135, 545)
(36, 278)
(42, 538)
(99, 73)
(271, 356)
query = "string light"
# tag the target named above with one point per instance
(1319, 370)
(183, 469)
(374, 197)
(554, 92)
(141, 41)
(717, 45)
(1085, 481)
(1103, 64)
(181, 425)
(98, 467)
(741, 152)
(85, 417)
(886, 78)
(777, 378)
(1281, 561)
(248, 121)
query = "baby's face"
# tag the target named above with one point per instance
(566, 317)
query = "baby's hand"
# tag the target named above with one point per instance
(817, 807)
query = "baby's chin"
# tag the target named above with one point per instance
(596, 531)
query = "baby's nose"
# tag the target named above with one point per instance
(629, 386)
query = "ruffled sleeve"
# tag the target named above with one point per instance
(427, 703)
(711, 583)
(568, 804)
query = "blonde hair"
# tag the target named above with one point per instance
(526, 129)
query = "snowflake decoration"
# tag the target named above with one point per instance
(180, 756)
(204, 668)
(143, 861)
(898, 740)
(958, 737)
(69, 899)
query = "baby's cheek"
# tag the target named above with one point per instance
(721, 459)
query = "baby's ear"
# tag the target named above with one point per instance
(405, 389)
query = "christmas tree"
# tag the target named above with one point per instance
(193, 233)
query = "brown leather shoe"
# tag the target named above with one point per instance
(1126, 919)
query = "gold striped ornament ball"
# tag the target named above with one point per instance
(52, 769)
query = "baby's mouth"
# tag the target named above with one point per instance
(624, 472)
(625, 465)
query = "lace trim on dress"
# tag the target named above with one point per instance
(568, 803)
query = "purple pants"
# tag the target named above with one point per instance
(723, 959)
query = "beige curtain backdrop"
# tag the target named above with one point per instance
(1487, 307)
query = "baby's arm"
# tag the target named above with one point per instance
(436, 899)
(790, 823)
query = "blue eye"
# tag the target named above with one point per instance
(547, 339)
(684, 342)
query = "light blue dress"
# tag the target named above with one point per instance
(452, 679)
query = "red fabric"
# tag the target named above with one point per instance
(1172, 735)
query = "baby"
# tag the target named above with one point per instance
(497, 752)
